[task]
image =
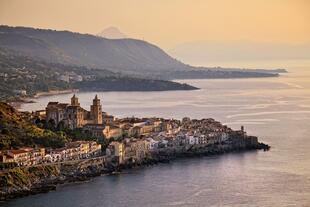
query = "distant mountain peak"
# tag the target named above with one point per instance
(112, 33)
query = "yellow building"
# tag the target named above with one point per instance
(112, 131)
(116, 150)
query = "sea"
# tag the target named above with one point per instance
(276, 109)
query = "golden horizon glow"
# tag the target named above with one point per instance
(168, 23)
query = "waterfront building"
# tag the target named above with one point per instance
(5, 158)
(57, 155)
(72, 151)
(23, 156)
(153, 145)
(116, 151)
(136, 150)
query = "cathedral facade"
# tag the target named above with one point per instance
(73, 115)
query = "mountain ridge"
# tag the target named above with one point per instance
(127, 56)
(88, 50)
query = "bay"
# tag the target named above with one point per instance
(277, 110)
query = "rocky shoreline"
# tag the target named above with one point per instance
(20, 182)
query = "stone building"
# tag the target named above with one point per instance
(73, 115)
(96, 111)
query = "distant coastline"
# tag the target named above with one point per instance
(30, 99)
(55, 92)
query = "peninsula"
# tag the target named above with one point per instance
(67, 143)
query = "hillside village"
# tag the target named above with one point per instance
(130, 140)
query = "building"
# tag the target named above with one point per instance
(94, 149)
(96, 111)
(21, 157)
(136, 150)
(76, 78)
(153, 145)
(74, 151)
(135, 131)
(36, 155)
(40, 114)
(94, 130)
(5, 158)
(112, 131)
(73, 115)
(116, 151)
(24, 156)
(64, 78)
(107, 119)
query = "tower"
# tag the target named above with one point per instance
(96, 111)
(75, 101)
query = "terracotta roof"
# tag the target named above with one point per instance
(18, 151)
(28, 149)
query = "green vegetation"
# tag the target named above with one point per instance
(16, 132)
(8, 165)
(22, 74)
(130, 84)
(21, 177)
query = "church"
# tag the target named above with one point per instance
(73, 115)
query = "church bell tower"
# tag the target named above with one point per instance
(75, 101)
(96, 111)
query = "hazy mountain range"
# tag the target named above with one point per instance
(211, 52)
(128, 56)
(87, 50)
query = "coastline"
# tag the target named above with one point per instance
(46, 178)
(55, 92)
(30, 99)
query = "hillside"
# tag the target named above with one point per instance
(88, 50)
(129, 56)
(20, 75)
(16, 132)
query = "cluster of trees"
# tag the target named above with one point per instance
(16, 132)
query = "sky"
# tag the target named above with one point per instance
(170, 23)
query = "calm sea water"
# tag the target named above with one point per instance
(275, 109)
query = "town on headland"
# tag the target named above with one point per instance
(67, 143)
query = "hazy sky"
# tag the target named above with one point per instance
(169, 22)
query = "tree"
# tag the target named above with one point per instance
(61, 126)
(51, 124)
